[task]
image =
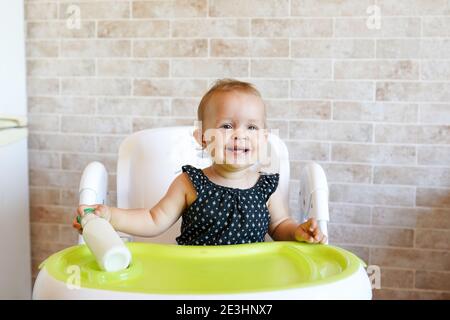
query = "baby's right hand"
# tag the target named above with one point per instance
(101, 210)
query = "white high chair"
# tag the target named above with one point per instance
(149, 160)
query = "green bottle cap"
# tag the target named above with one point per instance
(86, 211)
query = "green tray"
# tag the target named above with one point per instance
(173, 269)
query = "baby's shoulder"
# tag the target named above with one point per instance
(182, 180)
(270, 177)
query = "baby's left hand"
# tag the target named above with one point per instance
(310, 232)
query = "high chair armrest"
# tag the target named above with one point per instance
(313, 196)
(93, 186)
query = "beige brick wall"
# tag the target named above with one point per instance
(372, 106)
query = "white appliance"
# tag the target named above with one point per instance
(15, 266)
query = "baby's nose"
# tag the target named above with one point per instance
(240, 134)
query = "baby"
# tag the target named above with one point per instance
(229, 202)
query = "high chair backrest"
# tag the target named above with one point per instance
(149, 161)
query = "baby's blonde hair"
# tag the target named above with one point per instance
(225, 85)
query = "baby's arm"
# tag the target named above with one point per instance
(152, 222)
(283, 228)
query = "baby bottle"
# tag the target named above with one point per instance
(104, 242)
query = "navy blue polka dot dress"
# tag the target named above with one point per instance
(223, 215)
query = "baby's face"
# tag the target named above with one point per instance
(234, 128)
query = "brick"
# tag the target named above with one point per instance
(372, 194)
(58, 142)
(43, 160)
(433, 197)
(249, 47)
(418, 176)
(398, 27)
(436, 26)
(59, 29)
(52, 214)
(411, 217)
(420, 134)
(42, 48)
(297, 69)
(169, 9)
(45, 86)
(41, 11)
(43, 123)
(95, 86)
(414, 7)
(209, 68)
(61, 105)
(375, 111)
(303, 150)
(399, 48)
(54, 178)
(369, 235)
(172, 87)
(132, 68)
(224, 28)
(330, 8)
(133, 29)
(297, 109)
(83, 124)
(185, 107)
(134, 106)
(108, 144)
(171, 48)
(435, 70)
(397, 278)
(44, 196)
(385, 154)
(296, 28)
(413, 91)
(249, 8)
(394, 294)
(45, 232)
(430, 155)
(77, 162)
(147, 123)
(434, 113)
(272, 88)
(359, 69)
(349, 214)
(304, 130)
(61, 68)
(432, 239)
(96, 10)
(323, 89)
(433, 280)
(333, 48)
(411, 258)
(95, 48)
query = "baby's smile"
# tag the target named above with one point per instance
(237, 150)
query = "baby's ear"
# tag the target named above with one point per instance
(198, 137)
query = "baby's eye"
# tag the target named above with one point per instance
(226, 126)
(252, 127)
